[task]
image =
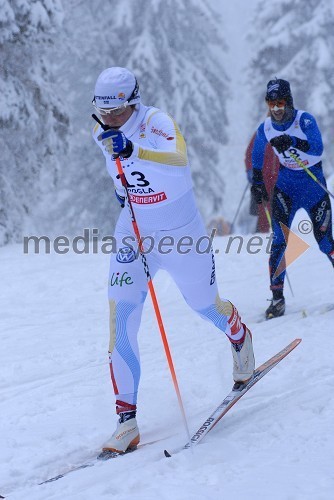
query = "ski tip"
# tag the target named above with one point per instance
(167, 454)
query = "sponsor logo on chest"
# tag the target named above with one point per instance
(142, 130)
(148, 200)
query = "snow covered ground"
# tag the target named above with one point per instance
(57, 402)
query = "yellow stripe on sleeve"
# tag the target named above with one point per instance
(152, 114)
(177, 158)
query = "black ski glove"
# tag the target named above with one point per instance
(258, 188)
(300, 144)
(281, 143)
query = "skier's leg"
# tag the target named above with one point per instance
(283, 212)
(204, 298)
(195, 276)
(127, 290)
(321, 216)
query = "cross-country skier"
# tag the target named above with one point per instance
(290, 130)
(154, 158)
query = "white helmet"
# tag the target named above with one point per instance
(114, 87)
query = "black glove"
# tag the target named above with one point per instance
(258, 188)
(281, 143)
(301, 144)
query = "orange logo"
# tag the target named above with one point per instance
(121, 95)
(295, 248)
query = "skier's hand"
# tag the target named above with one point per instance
(260, 193)
(281, 143)
(116, 143)
(120, 198)
(258, 188)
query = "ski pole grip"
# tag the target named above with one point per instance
(105, 127)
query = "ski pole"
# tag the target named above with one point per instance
(301, 164)
(269, 221)
(238, 209)
(150, 284)
(268, 216)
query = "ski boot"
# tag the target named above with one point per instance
(126, 436)
(243, 360)
(276, 308)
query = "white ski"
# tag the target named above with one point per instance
(237, 392)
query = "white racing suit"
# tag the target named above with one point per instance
(160, 189)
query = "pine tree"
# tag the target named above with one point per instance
(174, 48)
(32, 119)
(175, 51)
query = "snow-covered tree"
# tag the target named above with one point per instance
(175, 49)
(32, 119)
(295, 41)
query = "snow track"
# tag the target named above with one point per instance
(57, 403)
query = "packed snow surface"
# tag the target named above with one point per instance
(57, 404)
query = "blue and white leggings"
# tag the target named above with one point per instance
(193, 273)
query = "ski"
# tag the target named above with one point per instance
(102, 457)
(303, 313)
(237, 392)
(72, 469)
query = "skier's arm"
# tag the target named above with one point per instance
(258, 188)
(259, 148)
(313, 145)
(119, 192)
(168, 145)
(248, 159)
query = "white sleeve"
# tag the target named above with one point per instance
(168, 144)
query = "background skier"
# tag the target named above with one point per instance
(290, 130)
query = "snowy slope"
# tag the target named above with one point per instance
(57, 403)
